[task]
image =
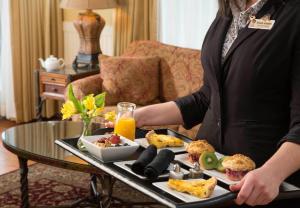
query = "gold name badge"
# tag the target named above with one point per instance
(262, 24)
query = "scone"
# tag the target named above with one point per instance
(199, 188)
(237, 166)
(162, 141)
(196, 148)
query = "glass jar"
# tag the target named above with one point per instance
(125, 123)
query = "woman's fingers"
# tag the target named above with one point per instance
(238, 186)
(245, 191)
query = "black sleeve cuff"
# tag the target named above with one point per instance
(189, 111)
(290, 138)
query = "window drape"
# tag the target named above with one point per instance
(37, 31)
(185, 22)
(135, 20)
(7, 105)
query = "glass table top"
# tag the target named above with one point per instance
(38, 138)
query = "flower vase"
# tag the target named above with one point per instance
(86, 131)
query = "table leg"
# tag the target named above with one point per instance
(94, 195)
(24, 182)
(39, 109)
(107, 183)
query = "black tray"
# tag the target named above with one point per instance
(146, 186)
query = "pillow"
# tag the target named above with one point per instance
(131, 79)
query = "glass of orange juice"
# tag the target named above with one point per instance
(125, 123)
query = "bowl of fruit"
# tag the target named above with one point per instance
(110, 147)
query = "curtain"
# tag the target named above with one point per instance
(37, 31)
(185, 22)
(7, 107)
(135, 20)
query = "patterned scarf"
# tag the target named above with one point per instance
(240, 20)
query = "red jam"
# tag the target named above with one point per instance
(194, 157)
(235, 175)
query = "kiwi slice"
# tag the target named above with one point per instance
(208, 160)
(220, 167)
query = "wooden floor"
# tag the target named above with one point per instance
(8, 161)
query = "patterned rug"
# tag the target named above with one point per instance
(49, 186)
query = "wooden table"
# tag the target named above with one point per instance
(35, 141)
(52, 84)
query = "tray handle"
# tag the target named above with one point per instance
(226, 198)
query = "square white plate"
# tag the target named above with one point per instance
(110, 154)
(183, 158)
(144, 143)
(123, 165)
(187, 197)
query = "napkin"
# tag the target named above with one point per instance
(145, 158)
(159, 164)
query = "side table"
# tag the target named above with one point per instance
(52, 84)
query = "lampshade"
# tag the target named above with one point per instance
(88, 4)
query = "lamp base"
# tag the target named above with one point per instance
(87, 61)
(89, 26)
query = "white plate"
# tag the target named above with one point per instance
(109, 154)
(144, 143)
(187, 197)
(183, 158)
(123, 165)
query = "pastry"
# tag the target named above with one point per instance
(237, 166)
(196, 148)
(198, 188)
(162, 141)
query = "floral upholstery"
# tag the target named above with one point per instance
(137, 79)
(181, 73)
(88, 85)
(181, 70)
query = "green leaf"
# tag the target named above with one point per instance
(100, 100)
(72, 97)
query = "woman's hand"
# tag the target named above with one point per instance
(261, 186)
(258, 187)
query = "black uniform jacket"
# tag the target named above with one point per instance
(250, 104)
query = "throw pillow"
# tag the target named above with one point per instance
(131, 79)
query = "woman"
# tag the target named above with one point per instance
(250, 100)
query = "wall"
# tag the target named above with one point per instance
(71, 40)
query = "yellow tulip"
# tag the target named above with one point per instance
(68, 109)
(110, 116)
(89, 103)
(98, 112)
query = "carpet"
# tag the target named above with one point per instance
(50, 186)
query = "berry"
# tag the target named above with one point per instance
(114, 139)
(102, 140)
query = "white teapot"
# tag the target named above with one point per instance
(52, 63)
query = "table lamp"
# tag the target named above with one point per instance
(89, 26)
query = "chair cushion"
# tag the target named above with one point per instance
(131, 79)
